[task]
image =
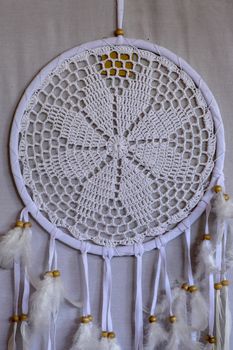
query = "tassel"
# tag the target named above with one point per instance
(16, 244)
(156, 334)
(227, 324)
(45, 302)
(86, 338)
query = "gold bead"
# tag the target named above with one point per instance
(217, 188)
(15, 318)
(111, 335)
(225, 283)
(56, 273)
(207, 237)
(226, 197)
(19, 224)
(119, 31)
(23, 317)
(85, 319)
(172, 319)
(90, 318)
(218, 286)
(185, 286)
(27, 225)
(104, 334)
(193, 289)
(152, 319)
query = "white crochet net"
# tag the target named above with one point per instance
(117, 145)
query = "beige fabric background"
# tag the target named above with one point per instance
(32, 32)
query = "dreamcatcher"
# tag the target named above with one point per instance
(117, 147)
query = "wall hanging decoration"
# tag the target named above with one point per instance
(117, 148)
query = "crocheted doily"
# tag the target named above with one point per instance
(117, 145)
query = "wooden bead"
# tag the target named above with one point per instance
(104, 334)
(193, 289)
(119, 31)
(172, 319)
(23, 317)
(218, 286)
(90, 318)
(152, 319)
(15, 318)
(56, 273)
(225, 283)
(27, 224)
(85, 319)
(212, 340)
(226, 197)
(19, 224)
(111, 335)
(185, 286)
(206, 237)
(217, 188)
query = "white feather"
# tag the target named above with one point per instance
(222, 208)
(104, 344)
(229, 249)
(113, 345)
(25, 334)
(209, 347)
(11, 247)
(180, 303)
(156, 335)
(180, 338)
(218, 319)
(45, 301)
(199, 312)
(86, 337)
(205, 260)
(227, 320)
(12, 340)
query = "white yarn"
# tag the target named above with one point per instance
(45, 302)
(86, 337)
(156, 335)
(218, 319)
(11, 247)
(199, 312)
(227, 324)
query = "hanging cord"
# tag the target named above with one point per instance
(85, 274)
(107, 291)
(188, 256)
(138, 304)
(166, 280)
(156, 286)
(120, 15)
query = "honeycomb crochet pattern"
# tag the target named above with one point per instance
(117, 145)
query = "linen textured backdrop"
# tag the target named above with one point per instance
(33, 32)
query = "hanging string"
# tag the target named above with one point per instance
(188, 256)
(85, 284)
(107, 291)
(120, 15)
(166, 279)
(156, 286)
(138, 304)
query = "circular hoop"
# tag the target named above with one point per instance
(35, 84)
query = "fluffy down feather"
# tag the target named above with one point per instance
(113, 345)
(205, 260)
(86, 338)
(11, 247)
(222, 208)
(104, 344)
(156, 335)
(199, 312)
(180, 338)
(45, 301)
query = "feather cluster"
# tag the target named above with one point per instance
(15, 244)
(205, 260)
(86, 337)
(199, 311)
(156, 335)
(46, 300)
